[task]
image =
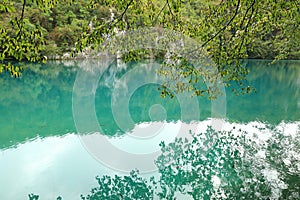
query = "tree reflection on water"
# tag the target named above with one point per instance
(232, 164)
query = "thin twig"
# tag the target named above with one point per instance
(23, 10)
(229, 22)
(120, 17)
(20, 21)
(244, 17)
(161, 11)
(242, 22)
(246, 28)
(221, 30)
(170, 9)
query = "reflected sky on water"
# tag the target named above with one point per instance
(42, 153)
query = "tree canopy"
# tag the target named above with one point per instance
(229, 31)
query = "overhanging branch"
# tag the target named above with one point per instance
(20, 21)
(247, 25)
(228, 23)
(122, 14)
(161, 11)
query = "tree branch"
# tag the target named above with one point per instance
(248, 22)
(170, 9)
(252, 4)
(20, 21)
(242, 22)
(23, 9)
(120, 17)
(229, 22)
(161, 11)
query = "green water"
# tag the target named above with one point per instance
(42, 153)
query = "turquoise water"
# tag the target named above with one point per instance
(43, 112)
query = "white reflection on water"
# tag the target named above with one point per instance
(56, 166)
(49, 167)
(145, 138)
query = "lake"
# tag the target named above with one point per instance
(64, 123)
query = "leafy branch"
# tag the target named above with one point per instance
(160, 11)
(224, 27)
(248, 22)
(20, 21)
(121, 16)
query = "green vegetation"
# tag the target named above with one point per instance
(228, 30)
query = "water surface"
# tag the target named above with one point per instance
(41, 151)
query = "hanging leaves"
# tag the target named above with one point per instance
(228, 30)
